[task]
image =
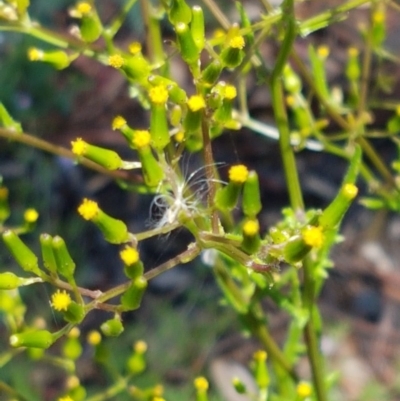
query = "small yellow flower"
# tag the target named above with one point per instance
(158, 390)
(67, 398)
(79, 147)
(251, 227)
(140, 347)
(93, 337)
(323, 51)
(60, 300)
(196, 103)
(118, 122)
(35, 54)
(179, 136)
(237, 42)
(31, 215)
(74, 333)
(353, 52)
(238, 174)
(230, 92)
(129, 255)
(378, 17)
(290, 100)
(304, 389)
(201, 383)
(141, 139)
(72, 382)
(158, 94)
(88, 209)
(116, 61)
(135, 47)
(350, 191)
(83, 8)
(260, 355)
(158, 399)
(313, 236)
(3, 193)
(218, 33)
(397, 112)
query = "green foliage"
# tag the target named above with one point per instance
(287, 264)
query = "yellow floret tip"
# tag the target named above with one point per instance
(129, 255)
(140, 347)
(378, 17)
(158, 94)
(251, 227)
(79, 147)
(88, 209)
(60, 300)
(179, 136)
(158, 390)
(118, 122)
(201, 383)
(260, 355)
(35, 54)
(93, 337)
(196, 103)
(238, 174)
(230, 92)
(237, 42)
(350, 191)
(74, 333)
(313, 236)
(323, 51)
(67, 398)
(116, 61)
(3, 193)
(218, 33)
(31, 215)
(304, 389)
(135, 47)
(84, 8)
(72, 382)
(353, 52)
(141, 139)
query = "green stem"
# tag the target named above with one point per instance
(350, 128)
(153, 35)
(120, 18)
(119, 386)
(259, 329)
(278, 103)
(41, 144)
(310, 335)
(209, 166)
(6, 389)
(321, 20)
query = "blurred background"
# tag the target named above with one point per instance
(188, 330)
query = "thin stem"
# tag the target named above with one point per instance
(278, 103)
(209, 163)
(217, 13)
(310, 335)
(32, 141)
(153, 34)
(346, 126)
(6, 389)
(119, 386)
(120, 18)
(366, 68)
(321, 20)
(191, 253)
(252, 320)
